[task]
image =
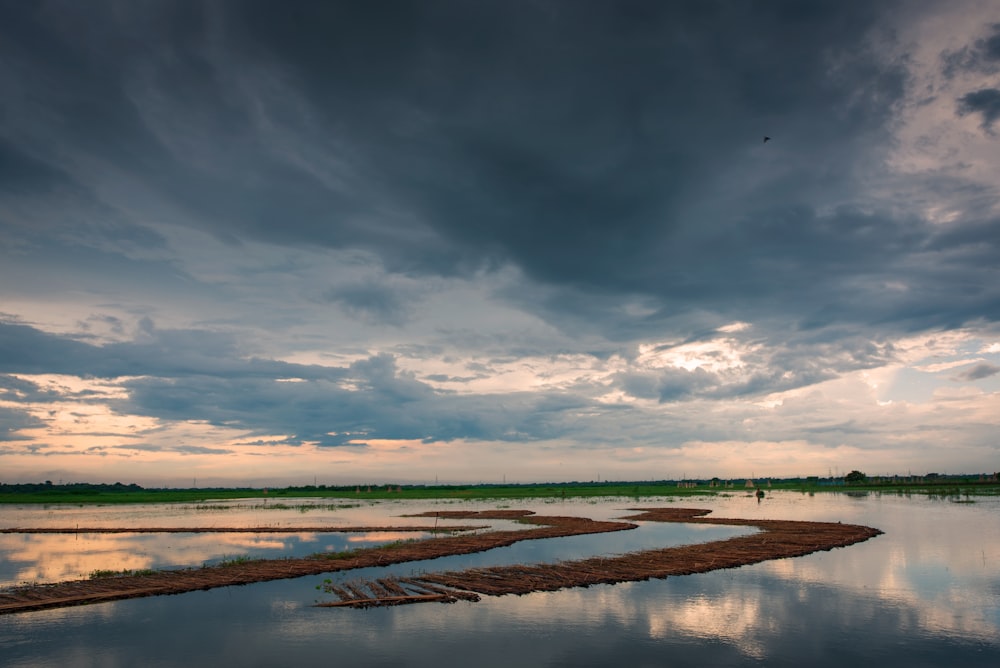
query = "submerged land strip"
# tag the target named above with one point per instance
(776, 539)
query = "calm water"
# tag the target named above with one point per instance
(927, 593)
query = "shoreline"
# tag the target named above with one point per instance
(87, 494)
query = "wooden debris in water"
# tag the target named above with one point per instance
(392, 591)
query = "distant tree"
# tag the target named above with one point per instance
(855, 477)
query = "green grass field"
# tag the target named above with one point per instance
(86, 493)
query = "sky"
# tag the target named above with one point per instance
(268, 243)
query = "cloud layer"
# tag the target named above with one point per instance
(535, 234)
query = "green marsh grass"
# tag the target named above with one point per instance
(102, 574)
(356, 496)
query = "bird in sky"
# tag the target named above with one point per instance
(767, 139)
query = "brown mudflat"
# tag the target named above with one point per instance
(82, 592)
(777, 539)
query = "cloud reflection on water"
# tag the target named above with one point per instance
(56, 557)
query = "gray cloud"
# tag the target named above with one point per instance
(584, 176)
(985, 102)
(379, 402)
(979, 372)
(197, 375)
(983, 55)
(671, 385)
(16, 389)
(803, 362)
(376, 304)
(191, 375)
(13, 421)
(186, 449)
(577, 158)
(173, 353)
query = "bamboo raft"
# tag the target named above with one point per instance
(777, 539)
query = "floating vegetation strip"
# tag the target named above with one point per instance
(777, 539)
(136, 585)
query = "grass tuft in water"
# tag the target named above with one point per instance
(102, 574)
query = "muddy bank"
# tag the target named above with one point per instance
(777, 539)
(82, 592)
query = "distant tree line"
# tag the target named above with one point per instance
(70, 488)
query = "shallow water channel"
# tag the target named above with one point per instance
(925, 593)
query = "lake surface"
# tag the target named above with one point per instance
(926, 593)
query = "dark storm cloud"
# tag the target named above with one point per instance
(609, 151)
(572, 143)
(603, 148)
(985, 102)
